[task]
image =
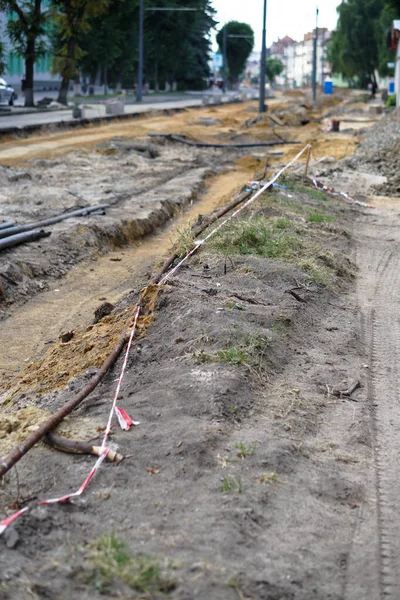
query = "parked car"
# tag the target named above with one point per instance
(7, 93)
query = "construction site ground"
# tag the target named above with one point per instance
(258, 470)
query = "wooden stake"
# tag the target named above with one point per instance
(307, 161)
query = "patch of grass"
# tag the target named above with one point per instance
(314, 193)
(316, 272)
(251, 353)
(317, 217)
(260, 236)
(108, 559)
(318, 195)
(243, 450)
(231, 485)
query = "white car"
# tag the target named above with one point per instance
(7, 93)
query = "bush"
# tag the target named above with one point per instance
(390, 101)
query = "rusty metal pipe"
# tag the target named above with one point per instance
(7, 462)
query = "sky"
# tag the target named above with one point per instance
(284, 17)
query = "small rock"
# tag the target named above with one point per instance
(11, 537)
(66, 337)
(102, 311)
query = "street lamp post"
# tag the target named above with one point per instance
(225, 59)
(262, 107)
(139, 91)
(314, 77)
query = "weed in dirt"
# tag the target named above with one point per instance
(271, 477)
(108, 559)
(185, 241)
(237, 305)
(232, 355)
(251, 354)
(201, 357)
(243, 450)
(231, 485)
(316, 273)
(318, 217)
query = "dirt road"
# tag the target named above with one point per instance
(254, 474)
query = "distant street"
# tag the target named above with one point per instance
(17, 117)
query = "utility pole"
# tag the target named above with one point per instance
(139, 91)
(225, 71)
(314, 75)
(262, 107)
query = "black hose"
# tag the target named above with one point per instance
(6, 225)
(23, 238)
(182, 140)
(76, 213)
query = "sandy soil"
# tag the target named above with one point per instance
(250, 477)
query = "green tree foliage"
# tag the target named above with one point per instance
(395, 5)
(176, 43)
(26, 29)
(71, 22)
(359, 45)
(274, 67)
(238, 47)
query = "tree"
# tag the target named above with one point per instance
(354, 51)
(395, 5)
(239, 45)
(3, 64)
(111, 44)
(26, 29)
(72, 21)
(274, 67)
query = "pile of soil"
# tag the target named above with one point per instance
(380, 152)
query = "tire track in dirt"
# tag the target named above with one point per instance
(379, 293)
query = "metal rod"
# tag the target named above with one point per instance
(262, 107)
(139, 91)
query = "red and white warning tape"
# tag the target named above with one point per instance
(320, 186)
(125, 422)
(123, 418)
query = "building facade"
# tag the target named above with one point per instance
(15, 65)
